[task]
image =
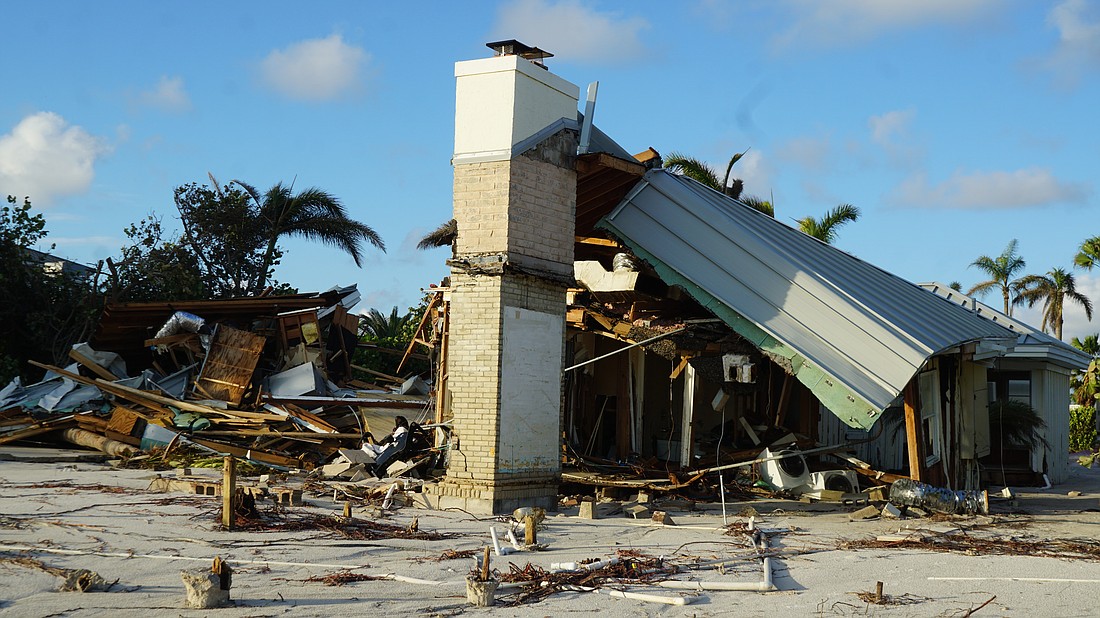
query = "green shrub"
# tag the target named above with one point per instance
(1082, 428)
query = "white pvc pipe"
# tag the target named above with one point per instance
(512, 538)
(638, 596)
(388, 501)
(763, 586)
(652, 598)
(497, 547)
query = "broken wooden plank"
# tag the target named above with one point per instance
(91, 365)
(39, 429)
(247, 453)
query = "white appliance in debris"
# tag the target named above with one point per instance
(790, 473)
(835, 480)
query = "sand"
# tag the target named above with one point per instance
(85, 515)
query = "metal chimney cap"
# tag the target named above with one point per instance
(512, 47)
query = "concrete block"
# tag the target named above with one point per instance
(891, 511)
(588, 510)
(663, 518)
(867, 512)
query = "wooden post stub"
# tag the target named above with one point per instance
(229, 492)
(529, 533)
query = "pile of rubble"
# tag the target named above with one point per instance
(265, 379)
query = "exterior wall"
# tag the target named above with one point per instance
(1050, 398)
(513, 255)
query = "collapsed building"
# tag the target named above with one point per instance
(603, 309)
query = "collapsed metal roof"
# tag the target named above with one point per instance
(853, 333)
(1031, 343)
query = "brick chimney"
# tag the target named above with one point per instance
(515, 194)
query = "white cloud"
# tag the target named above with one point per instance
(315, 69)
(1021, 188)
(572, 31)
(1078, 50)
(812, 153)
(44, 157)
(891, 132)
(885, 129)
(838, 22)
(169, 95)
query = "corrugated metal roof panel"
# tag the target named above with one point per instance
(866, 328)
(1032, 342)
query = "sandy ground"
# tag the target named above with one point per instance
(84, 515)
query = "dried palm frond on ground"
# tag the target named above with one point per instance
(450, 554)
(631, 567)
(341, 578)
(276, 519)
(970, 545)
(81, 580)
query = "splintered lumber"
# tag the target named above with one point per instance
(369, 402)
(38, 429)
(144, 397)
(227, 370)
(93, 366)
(98, 442)
(303, 417)
(246, 453)
(273, 433)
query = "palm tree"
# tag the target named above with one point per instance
(1086, 384)
(1053, 289)
(1089, 254)
(1000, 269)
(733, 187)
(825, 228)
(1089, 345)
(375, 325)
(312, 214)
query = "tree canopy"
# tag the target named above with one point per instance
(43, 310)
(1053, 289)
(1002, 271)
(825, 228)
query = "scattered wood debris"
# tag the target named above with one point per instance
(267, 380)
(969, 544)
(341, 578)
(628, 567)
(276, 519)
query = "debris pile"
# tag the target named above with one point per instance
(268, 380)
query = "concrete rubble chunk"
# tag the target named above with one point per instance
(867, 512)
(204, 589)
(891, 511)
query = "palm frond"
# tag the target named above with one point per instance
(442, 236)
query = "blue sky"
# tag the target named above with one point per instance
(954, 125)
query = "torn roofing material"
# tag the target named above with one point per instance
(854, 334)
(1031, 343)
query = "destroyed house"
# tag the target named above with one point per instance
(1036, 371)
(698, 330)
